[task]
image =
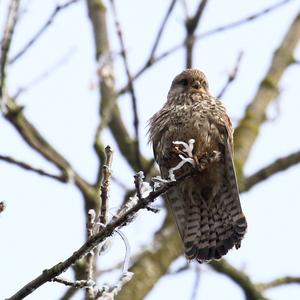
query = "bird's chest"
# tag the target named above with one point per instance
(193, 122)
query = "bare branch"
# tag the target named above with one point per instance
(23, 165)
(106, 176)
(6, 40)
(29, 44)
(243, 21)
(161, 29)
(196, 283)
(90, 295)
(192, 23)
(190, 26)
(151, 59)
(277, 166)
(109, 107)
(76, 284)
(250, 290)
(231, 76)
(45, 74)
(131, 87)
(35, 140)
(246, 133)
(138, 180)
(278, 282)
(99, 237)
(201, 36)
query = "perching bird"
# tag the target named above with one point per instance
(206, 206)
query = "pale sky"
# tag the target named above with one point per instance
(43, 222)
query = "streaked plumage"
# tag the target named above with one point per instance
(206, 207)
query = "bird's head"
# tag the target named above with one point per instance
(189, 81)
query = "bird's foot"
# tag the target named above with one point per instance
(201, 163)
(215, 156)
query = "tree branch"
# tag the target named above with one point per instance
(9, 28)
(172, 242)
(40, 32)
(23, 165)
(151, 58)
(194, 295)
(109, 108)
(131, 87)
(277, 166)
(90, 257)
(35, 140)
(231, 76)
(278, 282)
(149, 63)
(246, 133)
(153, 263)
(239, 277)
(45, 74)
(118, 221)
(161, 29)
(243, 21)
(105, 185)
(190, 26)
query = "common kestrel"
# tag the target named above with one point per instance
(206, 206)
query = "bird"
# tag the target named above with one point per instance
(206, 206)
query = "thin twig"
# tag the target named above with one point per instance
(190, 26)
(106, 80)
(109, 294)
(255, 114)
(38, 34)
(250, 290)
(196, 283)
(161, 29)
(231, 76)
(9, 28)
(278, 282)
(45, 74)
(243, 20)
(90, 295)
(35, 140)
(131, 87)
(106, 176)
(26, 166)
(138, 180)
(201, 36)
(192, 23)
(277, 166)
(76, 284)
(151, 58)
(103, 233)
(182, 268)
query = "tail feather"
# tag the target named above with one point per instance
(222, 225)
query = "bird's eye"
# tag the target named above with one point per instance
(183, 82)
(204, 84)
